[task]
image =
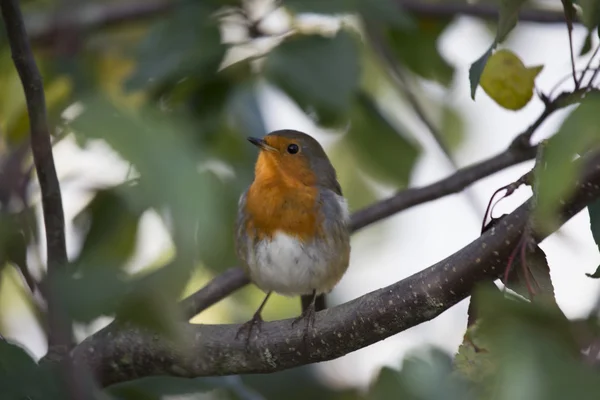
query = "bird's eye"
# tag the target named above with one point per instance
(292, 148)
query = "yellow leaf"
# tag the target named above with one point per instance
(508, 81)
(113, 69)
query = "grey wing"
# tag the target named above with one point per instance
(241, 238)
(336, 224)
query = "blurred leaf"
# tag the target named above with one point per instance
(535, 351)
(539, 276)
(579, 133)
(58, 92)
(414, 380)
(323, 7)
(590, 13)
(297, 384)
(509, 15)
(453, 126)
(161, 387)
(22, 378)
(594, 213)
(507, 81)
(417, 49)
(187, 43)
(317, 73)
(245, 108)
(356, 189)
(386, 154)
(112, 233)
(89, 295)
(587, 44)
(472, 360)
(476, 70)
(159, 148)
(389, 12)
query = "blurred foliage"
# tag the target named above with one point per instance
(163, 94)
(579, 134)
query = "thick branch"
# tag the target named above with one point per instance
(118, 354)
(54, 221)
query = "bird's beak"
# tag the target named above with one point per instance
(261, 144)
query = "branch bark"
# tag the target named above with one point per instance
(120, 353)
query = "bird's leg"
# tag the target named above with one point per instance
(309, 315)
(256, 320)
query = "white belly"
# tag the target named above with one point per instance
(286, 266)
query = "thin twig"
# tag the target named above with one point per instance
(569, 16)
(589, 64)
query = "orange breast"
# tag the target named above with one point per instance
(276, 205)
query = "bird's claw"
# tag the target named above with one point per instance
(249, 326)
(308, 315)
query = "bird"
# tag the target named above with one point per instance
(292, 228)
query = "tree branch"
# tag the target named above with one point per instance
(54, 221)
(119, 353)
(60, 333)
(44, 26)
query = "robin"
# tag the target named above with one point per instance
(292, 230)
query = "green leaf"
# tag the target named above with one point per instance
(22, 378)
(414, 380)
(97, 292)
(386, 154)
(163, 387)
(356, 189)
(508, 17)
(594, 213)
(187, 43)
(590, 13)
(536, 353)
(587, 44)
(579, 133)
(113, 227)
(538, 272)
(317, 73)
(323, 7)
(417, 49)
(453, 126)
(15, 367)
(244, 106)
(477, 68)
(389, 12)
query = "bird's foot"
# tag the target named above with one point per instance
(249, 326)
(309, 316)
